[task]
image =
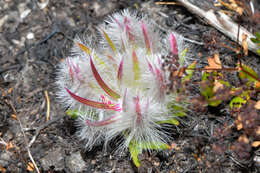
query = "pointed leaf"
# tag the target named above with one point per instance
(155, 146)
(74, 113)
(189, 72)
(257, 34)
(136, 148)
(255, 40)
(150, 66)
(182, 56)
(160, 79)
(136, 68)
(214, 103)
(137, 109)
(102, 122)
(134, 151)
(84, 48)
(101, 83)
(249, 74)
(146, 38)
(130, 35)
(90, 103)
(176, 109)
(171, 121)
(173, 43)
(120, 70)
(111, 44)
(206, 89)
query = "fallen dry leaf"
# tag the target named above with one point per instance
(239, 126)
(2, 169)
(14, 117)
(217, 86)
(30, 167)
(257, 105)
(214, 63)
(232, 5)
(10, 90)
(258, 130)
(244, 139)
(244, 44)
(256, 144)
(239, 123)
(257, 85)
(9, 146)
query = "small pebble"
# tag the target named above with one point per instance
(25, 13)
(30, 36)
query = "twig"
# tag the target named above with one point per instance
(25, 138)
(38, 130)
(3, 142)
(48, 105)
(10, 68)
(166, 3)
(221, 22)
(193, 41)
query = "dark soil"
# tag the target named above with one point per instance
(31, 46)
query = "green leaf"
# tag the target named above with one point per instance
(249, 74)
(226, 83)
(258, 51)
(135, 149)
(237, 102)
(189, 72)
(171, 121)
(205, 76)
(214, 103)
(255, 40)
(155, 146)
(176, 109)
(182, 56)
(207, 91)
(257, 34)
(74, 113)
(243, 74)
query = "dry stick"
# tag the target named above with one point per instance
(38, 130)
(48, 105)
(223, 23)
(166, 3)
(25, 138)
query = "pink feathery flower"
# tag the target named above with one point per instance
(119, 86)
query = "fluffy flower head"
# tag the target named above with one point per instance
(119, 86)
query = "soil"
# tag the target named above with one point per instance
(32, 43)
